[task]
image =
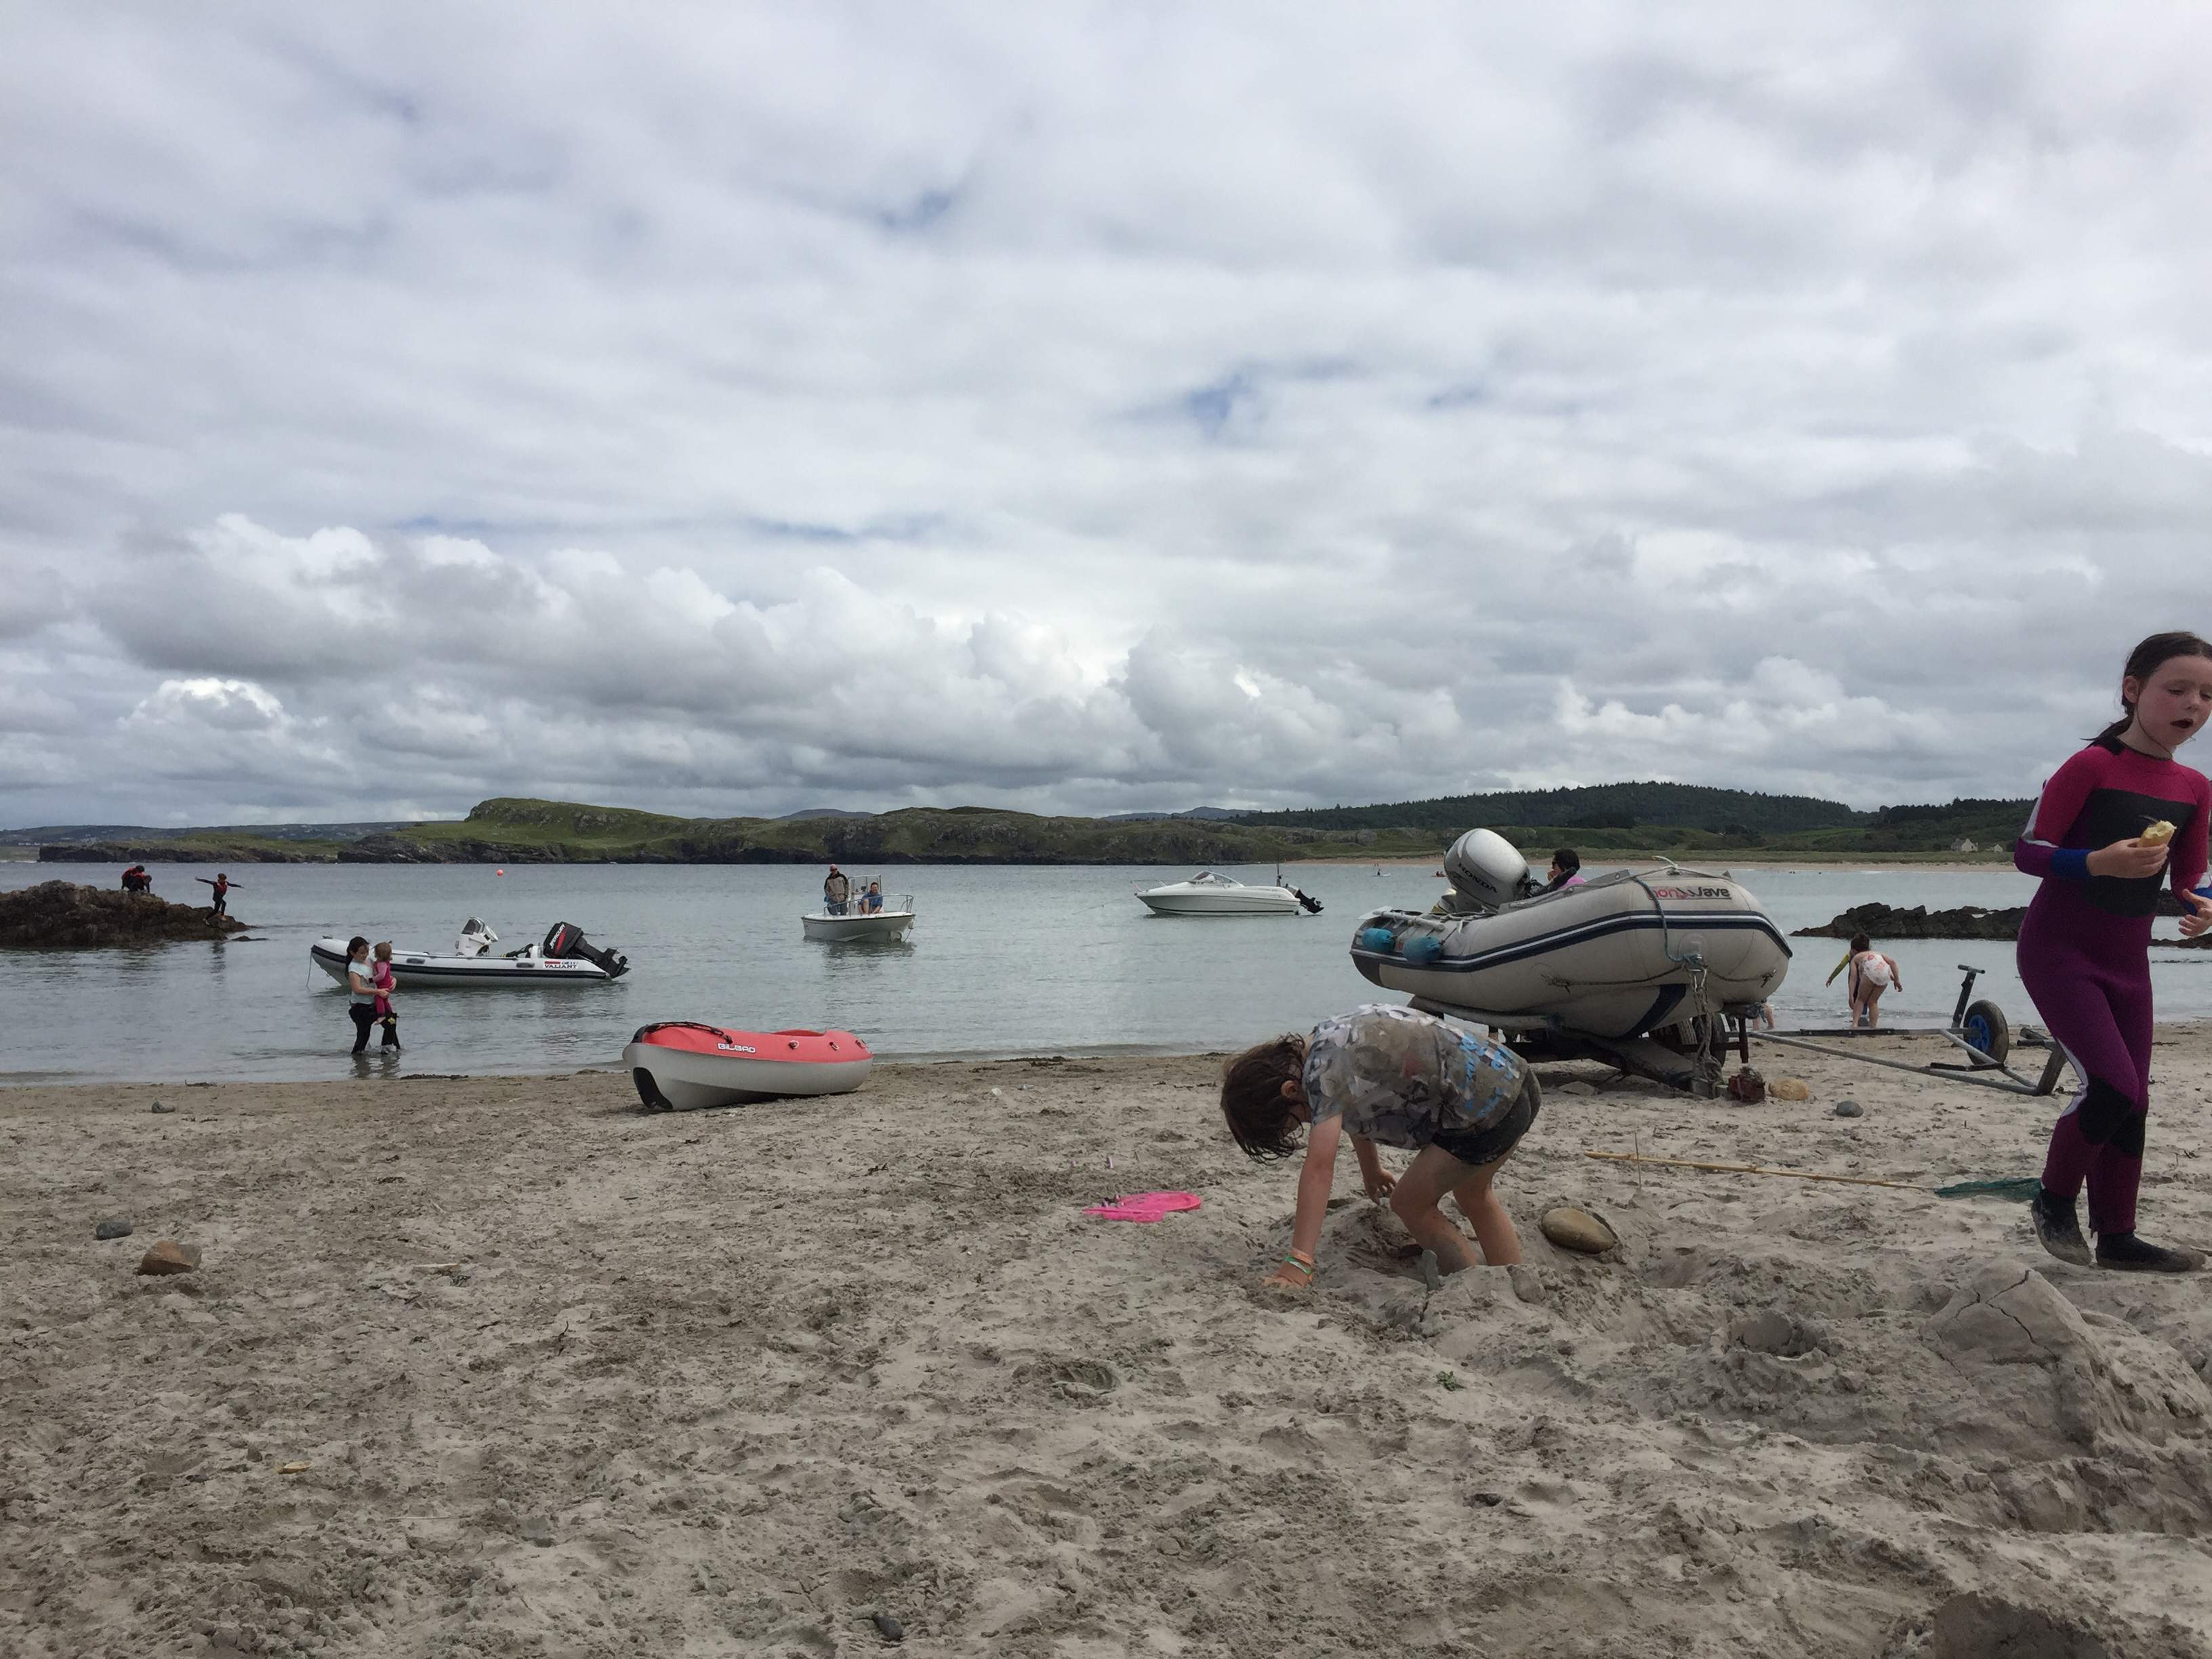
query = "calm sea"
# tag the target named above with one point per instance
(1005, 960)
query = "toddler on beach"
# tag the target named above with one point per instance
(1392, 1075)
(381, 977)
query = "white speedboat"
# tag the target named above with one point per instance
(564, 956)
(855, 923)
(1615, 956)
(1211, 894)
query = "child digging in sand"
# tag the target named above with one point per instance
(1403, 1078)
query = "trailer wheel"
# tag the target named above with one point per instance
(1987, 1031)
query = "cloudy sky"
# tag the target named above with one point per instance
(736, 408)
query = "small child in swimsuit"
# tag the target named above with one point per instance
(380, 976)
(1393, 1075)
(1871, 974)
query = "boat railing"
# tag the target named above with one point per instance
(893, 904)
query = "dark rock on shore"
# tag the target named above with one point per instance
(62, 913)
(172, 852)
(1880, 921)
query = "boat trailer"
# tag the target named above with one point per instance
(1695, 1060)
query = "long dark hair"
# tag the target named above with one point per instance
(2145, 660)
(1262, 1121)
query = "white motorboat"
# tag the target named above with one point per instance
(857, 922)
(564, 956)
(1209, 893)
(1614, 956)
(680, 1063)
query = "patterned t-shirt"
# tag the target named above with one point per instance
(1403, 1078)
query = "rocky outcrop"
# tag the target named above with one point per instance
(1881, 921)
(62, 913)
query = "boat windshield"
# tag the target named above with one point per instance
(1207, 878)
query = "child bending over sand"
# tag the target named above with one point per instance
(1404, 1079)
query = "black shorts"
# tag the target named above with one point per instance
(1487, 1145)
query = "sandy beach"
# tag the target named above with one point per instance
(553, 1377)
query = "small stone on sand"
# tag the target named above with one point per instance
(1576, 1087)
(1579, 1230)
(116, 1226)
(1791, 1088)
(163, 1106)
(888, 1628)
(1850, 1109)
(537, 1529)
(1525, 1284)
(168, 1256)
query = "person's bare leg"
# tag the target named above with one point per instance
(1415, 1201)
(1493, 1228)
(1874, 1007)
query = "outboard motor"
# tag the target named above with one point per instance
(1312, 904)
(566, 939)
(476, 939)
(1489, 870)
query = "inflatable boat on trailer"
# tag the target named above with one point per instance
(1615, 956)
(681, 1063)
(564, 956)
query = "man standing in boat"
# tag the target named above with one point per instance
(836, 889)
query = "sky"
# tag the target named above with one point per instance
(723, 408)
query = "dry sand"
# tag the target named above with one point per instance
(570, 1380)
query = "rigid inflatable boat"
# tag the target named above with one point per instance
(681, 1063)
(565, 957)
(855, 922)
(1614, 956)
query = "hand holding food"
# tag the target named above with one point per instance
(2158, 835)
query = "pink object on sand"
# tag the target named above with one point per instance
(1145, 1206)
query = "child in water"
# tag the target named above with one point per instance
(2112, 822)
(381, 977)
(1873, 972)
(1397, 1077)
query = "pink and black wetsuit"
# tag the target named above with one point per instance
(2085, 957)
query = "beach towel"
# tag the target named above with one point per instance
(1144, 1206)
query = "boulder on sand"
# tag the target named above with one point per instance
(64, 914)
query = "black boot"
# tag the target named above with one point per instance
(2126, 1253)
(2058, 1230)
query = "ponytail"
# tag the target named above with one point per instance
(2145, 660)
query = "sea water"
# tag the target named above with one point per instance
(1004, 960)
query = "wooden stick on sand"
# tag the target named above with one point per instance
(1751, 1168)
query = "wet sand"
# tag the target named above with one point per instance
(569, 1380)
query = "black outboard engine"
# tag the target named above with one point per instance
(567, 939)
(1312, 904)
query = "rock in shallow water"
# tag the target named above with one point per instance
(116, 1226)
(1579, 1230)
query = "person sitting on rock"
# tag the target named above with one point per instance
(135, 880)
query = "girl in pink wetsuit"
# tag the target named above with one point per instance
(2084, 945)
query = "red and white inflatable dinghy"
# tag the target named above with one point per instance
(681, 1063)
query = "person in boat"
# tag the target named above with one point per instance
(223, 885)
(836, 892)
(1872, 972)
(1566, 871)
(361, 991)
(380, 976)
(871, 902)
(2118, 821)
(1394, 1076)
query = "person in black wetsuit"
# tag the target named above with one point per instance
(223, 885)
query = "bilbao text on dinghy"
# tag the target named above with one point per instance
(565, 957)
(681, 1063)
(1616, 956)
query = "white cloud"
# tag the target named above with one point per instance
(742, 408)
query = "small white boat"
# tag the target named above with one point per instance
(1615, 956)
(564, 956)
(1211, 894)
(680, 1064)
(856, 922)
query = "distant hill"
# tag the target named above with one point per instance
(1599, 806)
(1213, 814)
(63, 835)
